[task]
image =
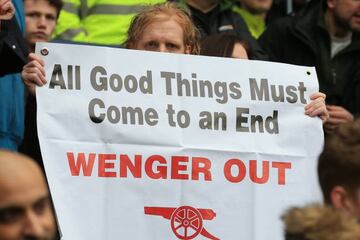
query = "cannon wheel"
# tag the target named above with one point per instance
(186, 222)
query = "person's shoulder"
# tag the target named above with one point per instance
(305, 16)
(356, 39)
(232, 17)
(279, 28)
(283, 22)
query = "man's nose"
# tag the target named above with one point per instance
(162, 48)
(32, 227)
(41, 22)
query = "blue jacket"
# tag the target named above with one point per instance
(12, 99)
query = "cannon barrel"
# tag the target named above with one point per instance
(159, 211)
(207, 214)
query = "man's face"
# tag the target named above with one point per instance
(40, 19)
(256, 6)
(25, 208)
(162, 36)
(346, 13)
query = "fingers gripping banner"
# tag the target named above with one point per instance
(144, 145)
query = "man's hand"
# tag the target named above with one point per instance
(338, 115)
(317, 106)
(7, 9)
(33, 73)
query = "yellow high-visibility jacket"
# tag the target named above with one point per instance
(98, 21)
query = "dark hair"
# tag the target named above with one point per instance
(222, 45)
(58, 4)
(339, 163)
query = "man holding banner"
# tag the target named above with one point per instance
(159, 20)
(174, 147)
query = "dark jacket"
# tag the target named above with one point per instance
(30, 145)
(13, 49)
(318, 222)
(223, 19)
(303, 40)
(12, 88)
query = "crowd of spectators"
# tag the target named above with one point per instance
(322, 33)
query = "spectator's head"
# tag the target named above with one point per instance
(163, 28)
(343, 16)
(225, 45)
(41, 17)
(25, 206)
(339, 169)
(256, 6)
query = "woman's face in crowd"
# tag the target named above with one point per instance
(239, 52)
(163, 36)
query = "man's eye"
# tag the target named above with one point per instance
(172, 45)
(50, 18)
(151, 44)
(32, 15)
(40, 206)
(10, 215)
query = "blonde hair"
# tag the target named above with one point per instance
(319, 222)
(156, 12)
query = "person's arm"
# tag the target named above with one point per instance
(13, 49)
(7, 10)
(351, 105)
(338, 115)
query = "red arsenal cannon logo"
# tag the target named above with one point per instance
(186, 222)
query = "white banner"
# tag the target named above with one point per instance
(143, 145)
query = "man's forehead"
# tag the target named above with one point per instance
(36, 3)
(30, 2)
(12, 166)
(12, 160)
(23, 192)
(20, 175)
